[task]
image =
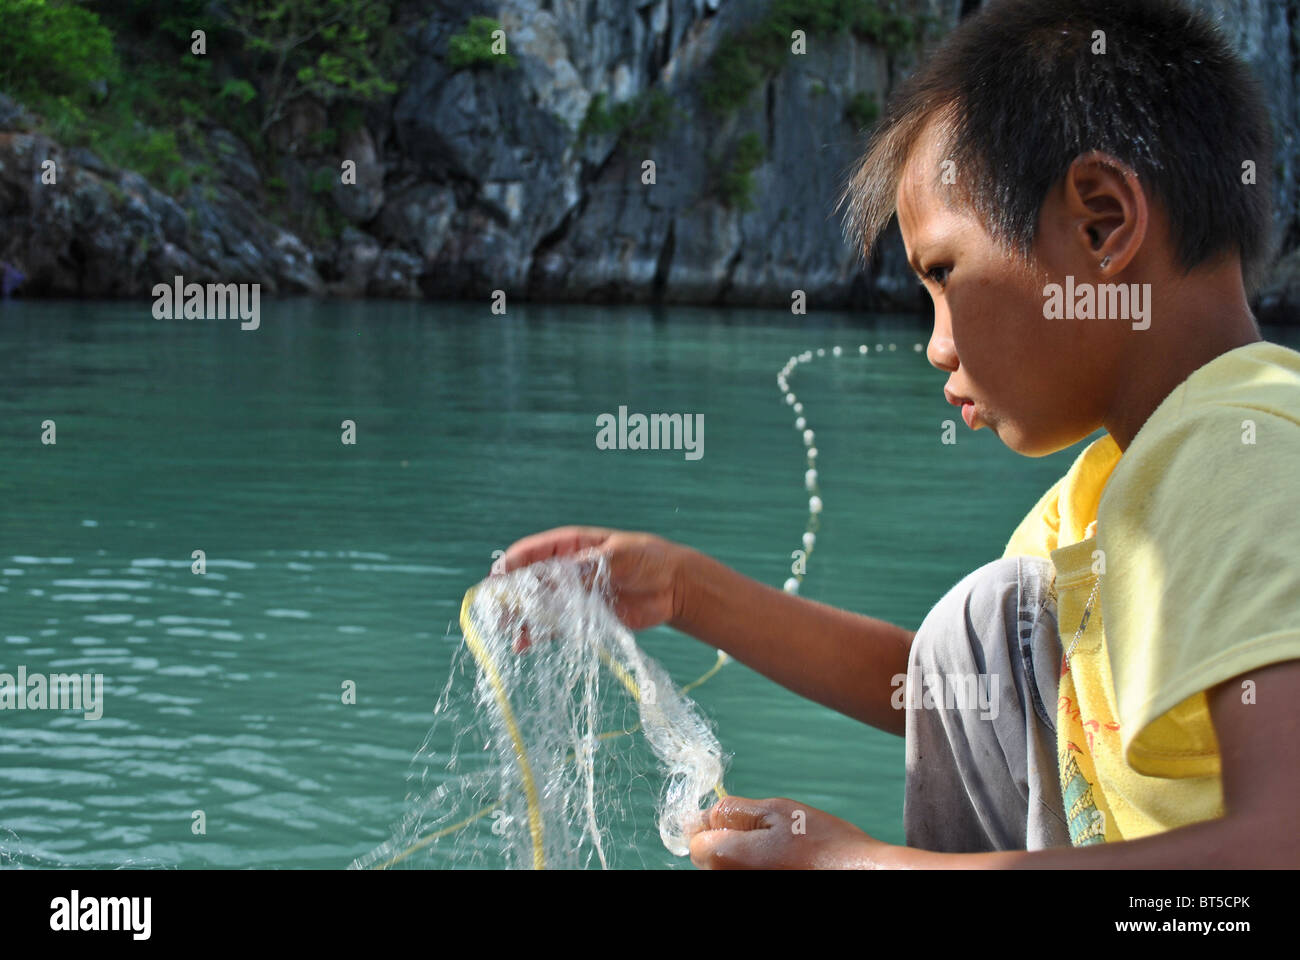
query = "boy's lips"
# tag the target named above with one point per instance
(967, 406)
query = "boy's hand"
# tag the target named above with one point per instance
(775, 834)
(644, 570)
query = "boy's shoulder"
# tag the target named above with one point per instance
(1200, 530)
(1235, 421)
(1263, 376)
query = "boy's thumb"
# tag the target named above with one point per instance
(738, 813)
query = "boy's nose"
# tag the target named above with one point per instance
(942, 352)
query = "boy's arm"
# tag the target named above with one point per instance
(843, 660)
(1259, 744)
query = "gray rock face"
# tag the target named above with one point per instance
(99, 233)
(234, 162)
(493, 177)
(1267, 36)
(13, 116)
(507, 139)
(575, 221)
(1279, 299)
(355, 260)
(362, 199)
(418, 217)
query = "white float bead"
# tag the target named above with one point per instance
(814, 504)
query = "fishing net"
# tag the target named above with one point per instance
(551, 705)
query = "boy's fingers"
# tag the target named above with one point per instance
(738, 813)
(737, 835)
(551, 543)
(726, 849)
(588, 564)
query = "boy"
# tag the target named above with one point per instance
(1070, 182)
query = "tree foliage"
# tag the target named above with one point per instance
(326, 49)
(52, 50)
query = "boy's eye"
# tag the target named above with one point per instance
(938, 274)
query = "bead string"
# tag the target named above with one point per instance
(801, 423)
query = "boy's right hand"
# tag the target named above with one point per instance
(645, 571)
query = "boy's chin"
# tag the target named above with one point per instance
(1030, 443)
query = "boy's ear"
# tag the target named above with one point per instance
(1108, 208)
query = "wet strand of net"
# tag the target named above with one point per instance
(489, 671)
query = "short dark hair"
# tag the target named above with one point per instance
(1020, 95)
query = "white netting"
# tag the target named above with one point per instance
(545, 769)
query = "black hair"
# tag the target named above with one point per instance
(1021, 93)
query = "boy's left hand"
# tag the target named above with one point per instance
(774, 834)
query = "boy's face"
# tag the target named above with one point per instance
(1037, 383)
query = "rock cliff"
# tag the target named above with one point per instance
(532, 177)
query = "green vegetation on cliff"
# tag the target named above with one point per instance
(862, 110)
(735, 180)
(637, 122)
(139, 81)
(472, 47)
(744, 60)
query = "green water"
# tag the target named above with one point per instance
(329, 563)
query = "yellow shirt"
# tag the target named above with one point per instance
(1194, 533)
